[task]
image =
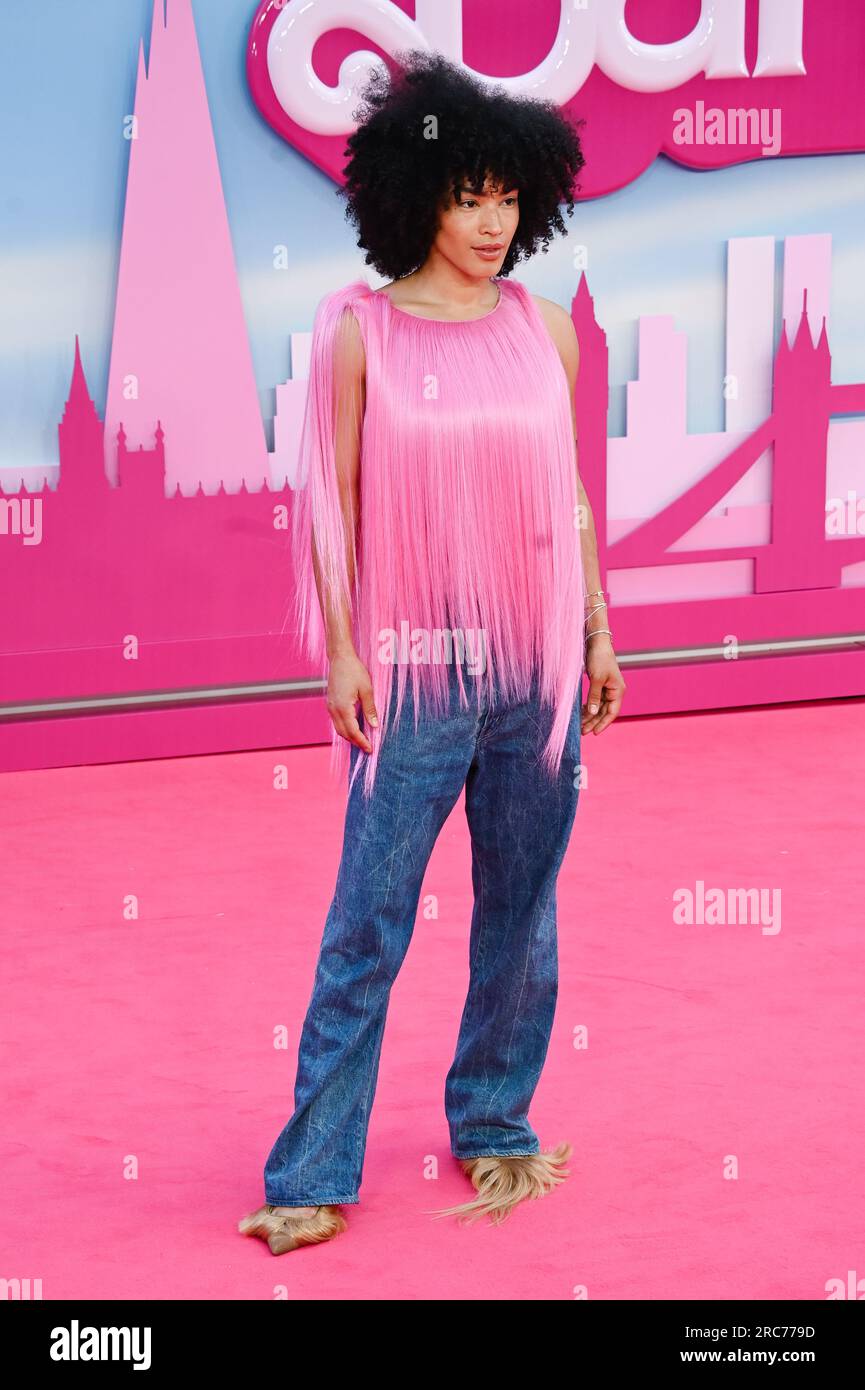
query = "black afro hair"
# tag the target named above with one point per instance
(432, 127)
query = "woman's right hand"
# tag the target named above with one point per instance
(348, 682)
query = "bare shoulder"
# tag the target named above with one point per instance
(558, 320)
(562, 331)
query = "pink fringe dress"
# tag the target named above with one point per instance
(468, 508)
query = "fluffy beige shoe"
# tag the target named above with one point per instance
(284, 1229)
(503, 1182)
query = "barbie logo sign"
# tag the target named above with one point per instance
(595, 67)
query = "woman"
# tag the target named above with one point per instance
(446, 581)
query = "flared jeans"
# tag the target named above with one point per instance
(520, 818)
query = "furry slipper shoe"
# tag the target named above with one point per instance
(283, 1231)
(503, 1182)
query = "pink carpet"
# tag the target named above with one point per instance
(145, 1044)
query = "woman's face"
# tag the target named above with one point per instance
(475, 220)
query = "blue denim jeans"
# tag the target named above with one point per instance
(520, 819)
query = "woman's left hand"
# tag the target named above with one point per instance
(606, 686)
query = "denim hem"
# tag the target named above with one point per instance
(310, 1201)
(487, 1154)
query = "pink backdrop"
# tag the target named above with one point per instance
(151, 567)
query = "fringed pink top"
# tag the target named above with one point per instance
(467, 548)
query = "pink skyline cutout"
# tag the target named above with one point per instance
(179, 331)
